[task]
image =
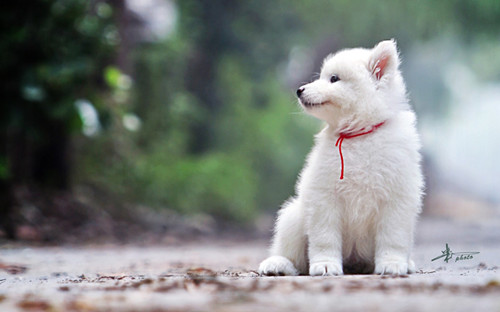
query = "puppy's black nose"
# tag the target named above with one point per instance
(299, 91)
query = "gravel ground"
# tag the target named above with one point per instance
(220, 276)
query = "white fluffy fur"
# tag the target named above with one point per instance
(365, 222)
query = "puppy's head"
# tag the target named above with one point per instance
(356, 87)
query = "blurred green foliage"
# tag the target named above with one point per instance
(217, 131)
(249, 166)
(51, 54)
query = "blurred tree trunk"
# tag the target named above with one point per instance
(52, 159)
(5, 209)
(214, 40)
(6, 195)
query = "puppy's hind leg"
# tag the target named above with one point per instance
(288, 250)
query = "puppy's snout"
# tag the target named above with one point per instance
(299, 91)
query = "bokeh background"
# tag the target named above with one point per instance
(159, 119)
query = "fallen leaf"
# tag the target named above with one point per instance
(168, 287)
(200, 272)
(13, 268)
(35, 305)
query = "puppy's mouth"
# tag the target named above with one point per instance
(312, 104)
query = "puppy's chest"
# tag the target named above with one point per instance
(356, 161)
(363, 166)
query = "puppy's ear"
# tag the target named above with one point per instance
(384, 59)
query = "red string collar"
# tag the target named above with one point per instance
(350, 135)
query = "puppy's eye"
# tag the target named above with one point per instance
(334, 78)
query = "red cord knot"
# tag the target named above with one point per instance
(344, 135)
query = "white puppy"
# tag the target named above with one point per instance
(359, 194)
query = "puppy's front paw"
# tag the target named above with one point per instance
(277, 265)
(325, 268)
(392, 267)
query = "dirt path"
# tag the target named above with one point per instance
(220, 276)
